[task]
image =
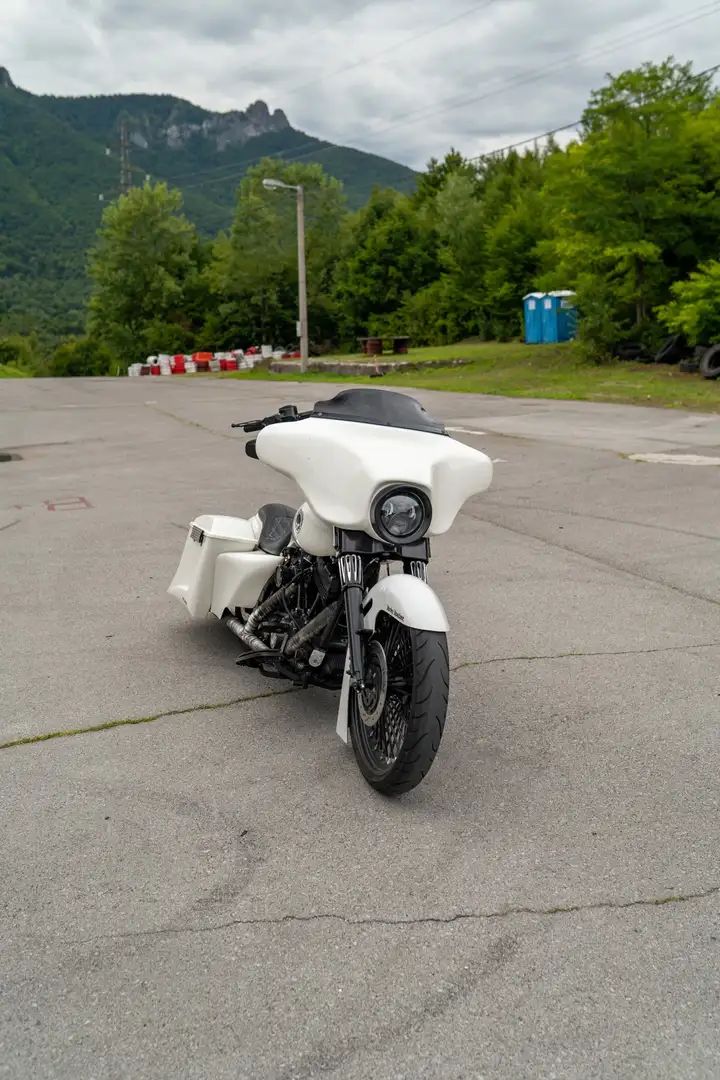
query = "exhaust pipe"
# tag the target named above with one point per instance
(240, 630)
(246, 631)
(307, 635)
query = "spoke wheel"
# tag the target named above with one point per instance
(396, 724)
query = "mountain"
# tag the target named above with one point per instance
(60, 161)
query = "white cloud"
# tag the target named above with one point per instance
(507, 70)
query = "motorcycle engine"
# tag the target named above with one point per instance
(327, 580)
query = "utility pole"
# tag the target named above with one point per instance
(302, 280)
(125, 173)
(271, 185)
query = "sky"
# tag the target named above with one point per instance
(407, 79)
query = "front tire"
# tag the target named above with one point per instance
(396, 752)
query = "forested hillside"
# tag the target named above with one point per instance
(627, 215)
(58, 156)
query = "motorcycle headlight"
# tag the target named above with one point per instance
(401, 515)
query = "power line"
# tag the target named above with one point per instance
(544, 135)
(557, 130)
(610, 47)
(358, 63)
(523, 142)
(256, 161)
(327, 26)
(537, 75)
(243, 161)
(393, 48)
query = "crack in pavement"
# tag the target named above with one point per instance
(580, 655)
(108, 725)
(507, 912)
(191, 423)
(4, 527)
(129, 722)
(594, 558)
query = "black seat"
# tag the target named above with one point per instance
(277, 521)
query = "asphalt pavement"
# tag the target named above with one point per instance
(206, 888)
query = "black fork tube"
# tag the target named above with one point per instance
(351, 579)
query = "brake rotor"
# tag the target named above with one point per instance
(371, 700)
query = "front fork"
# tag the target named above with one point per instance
(351, 581)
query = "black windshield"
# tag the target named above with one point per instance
(381, 407)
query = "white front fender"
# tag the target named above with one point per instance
(405, 598)
(409, 600)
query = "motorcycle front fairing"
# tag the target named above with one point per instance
(341, 465)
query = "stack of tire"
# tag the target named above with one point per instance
(710, 362)
(703, 358)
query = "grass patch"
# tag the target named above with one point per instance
(542, 371)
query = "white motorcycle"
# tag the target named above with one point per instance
(309, 592)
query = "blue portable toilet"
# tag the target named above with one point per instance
(566, 314)
(559, 316)
(533, 317)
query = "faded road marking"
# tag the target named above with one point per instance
(675, 459)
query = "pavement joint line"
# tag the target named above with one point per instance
(189, 423)
(594, 559)
(598, 517)
(580, 655)
(110, 724)
(4, 527)
(510, 911)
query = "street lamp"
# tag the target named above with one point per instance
(272, 185)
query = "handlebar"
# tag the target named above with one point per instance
(253, 425)
(285, 414)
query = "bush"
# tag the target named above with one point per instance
(436, 315)
(81, 356)
(695, 309)
(10, 371)
(600, 326)
(19, 355)
(168, 338)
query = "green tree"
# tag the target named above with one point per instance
(438, 173)
(253, 273)
(515, 224)
(451, 306)
(647, 96)
(695, 308)
(489, 220)
(633, 205)
(390, 253)
(139, 269)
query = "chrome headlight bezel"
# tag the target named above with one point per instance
(376, 516)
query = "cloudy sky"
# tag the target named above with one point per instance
(404, 78)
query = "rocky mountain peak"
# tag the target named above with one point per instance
(223, 129)
(5, 79)
(259, 114)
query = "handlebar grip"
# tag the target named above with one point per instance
(254, 425)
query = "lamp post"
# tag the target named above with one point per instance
(272, 185)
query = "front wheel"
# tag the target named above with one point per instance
(397, 722)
